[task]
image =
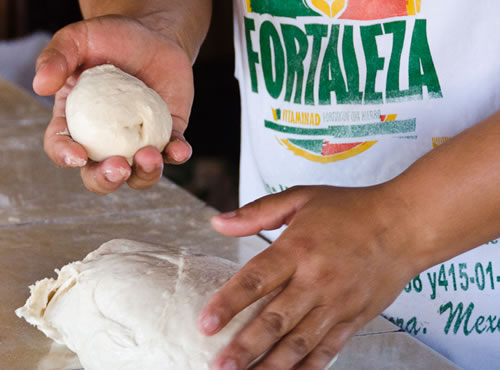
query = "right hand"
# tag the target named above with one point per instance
(136, 48)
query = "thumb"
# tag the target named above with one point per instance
(53, 67)
(66, 52)
(267, 213)
(85, 44)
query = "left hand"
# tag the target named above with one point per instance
(344, 258)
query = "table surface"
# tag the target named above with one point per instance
(48, 219)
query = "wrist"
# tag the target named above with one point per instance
(405, 233)
(184, 22)
(176, 28)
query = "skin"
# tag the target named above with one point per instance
(149, 45)
(366, 245)
(327, 278)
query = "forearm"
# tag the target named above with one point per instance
(452, 195)
(186, 20)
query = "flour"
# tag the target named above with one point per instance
(130, 305)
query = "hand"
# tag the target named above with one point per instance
(342, 260)
(138, 49)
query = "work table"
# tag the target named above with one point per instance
(48, 219)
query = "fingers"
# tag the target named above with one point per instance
(137, 50)
(328, 349)
(98, 177)
(295, 335)
(106, 176)
(273, 323)
(109, 175)
(267, 213)
(58, 144)
(61, 148)
(148, 168)
(256, 279)
(178, 150)
(299, 342)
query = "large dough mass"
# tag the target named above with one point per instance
(131, 305)
(111, 113)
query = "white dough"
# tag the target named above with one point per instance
(110, 112)
(130, 306)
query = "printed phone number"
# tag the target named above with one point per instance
(455, 277)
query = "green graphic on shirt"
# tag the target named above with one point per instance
(349, 131)
(315, 146)
(290, 62)
(325, 57)
(288, 8)
(412, 326)
(467, 321)
(457, 276)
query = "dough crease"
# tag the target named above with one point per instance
(131, 305)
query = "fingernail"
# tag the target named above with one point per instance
(37, 83)
(210, 323)
(117, 176)
(177, 157)
(228, 215)
(73, 162)
(149, 168)
(229, 365)
(125, 172)
(40, 66)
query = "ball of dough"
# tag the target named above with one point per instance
(111, 113)
(131, 305)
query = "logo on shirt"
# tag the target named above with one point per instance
(330, 8)
(338, 56)
(347, 9)
(321, 150)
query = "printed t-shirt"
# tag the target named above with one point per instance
(351, 93)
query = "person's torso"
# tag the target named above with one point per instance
(351, 93)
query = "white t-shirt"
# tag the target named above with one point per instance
(342, 93)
